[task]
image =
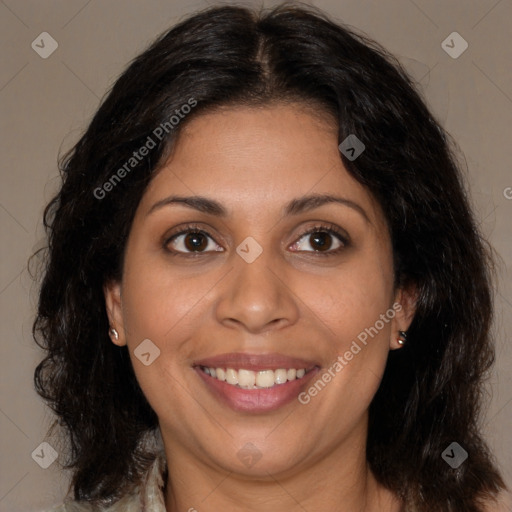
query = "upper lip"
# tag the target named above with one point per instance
(255, 362)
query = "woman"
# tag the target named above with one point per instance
(265, 289)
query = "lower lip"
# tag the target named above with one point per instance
(256, 400)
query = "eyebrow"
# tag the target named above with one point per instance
(294, 207)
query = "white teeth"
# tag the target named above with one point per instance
(248, 379)
(280, 376)
(265, 379)
(231, 376)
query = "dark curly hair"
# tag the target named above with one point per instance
(431, 392)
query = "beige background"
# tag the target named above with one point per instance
(45, 103)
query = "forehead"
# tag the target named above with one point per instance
(257, 158)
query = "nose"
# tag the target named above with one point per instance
(256, 296)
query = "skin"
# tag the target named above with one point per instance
(290, 300)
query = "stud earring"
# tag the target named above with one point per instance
(114, 333)
(402, 337)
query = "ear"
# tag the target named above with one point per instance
(405, 308)
(113, 302)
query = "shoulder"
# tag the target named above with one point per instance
(71, 506)
(503, 503)
(129, 503)
(146, 496)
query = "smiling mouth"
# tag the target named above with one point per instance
(249, 379)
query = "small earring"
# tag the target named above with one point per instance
(402, 337)
(114, 333)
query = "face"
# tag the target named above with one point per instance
(257, 297)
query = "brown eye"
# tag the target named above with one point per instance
(195, 242)
(321, 241)
(191, 241)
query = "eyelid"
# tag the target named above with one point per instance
(328, 227)
(184, 230)
(320, 227)
(333, 230)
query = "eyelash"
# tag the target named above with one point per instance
(331, 229)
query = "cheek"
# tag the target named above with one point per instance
(355, 306)
(157, 306)
(352, 299)
(169, 309)
(157, 300)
